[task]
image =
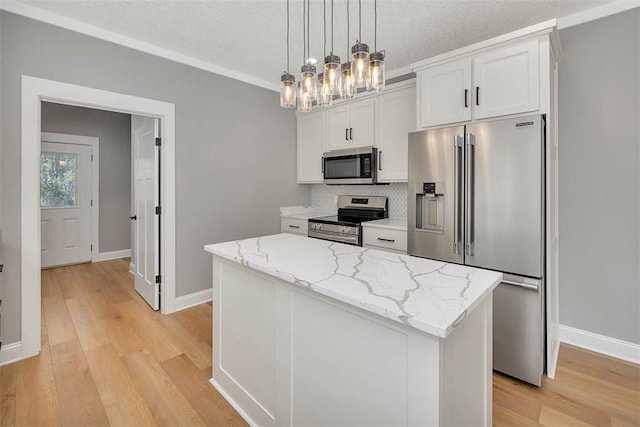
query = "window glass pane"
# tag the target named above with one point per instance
(58, 180)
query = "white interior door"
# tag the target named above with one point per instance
(146, 245)
(65, 203)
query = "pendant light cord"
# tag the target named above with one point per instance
(359, 20)
(331, 27)
(375, 25)
(287, 36)
(304, 32)
(324, 27)
(348, 19)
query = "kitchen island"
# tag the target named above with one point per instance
(312, 332)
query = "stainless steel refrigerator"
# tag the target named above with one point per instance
(476, 197)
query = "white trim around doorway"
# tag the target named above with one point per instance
(34, 91)
(94, 143)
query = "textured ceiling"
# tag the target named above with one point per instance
(249, 36)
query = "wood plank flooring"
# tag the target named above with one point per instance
(108, 359)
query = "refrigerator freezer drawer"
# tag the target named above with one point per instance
(518, 346)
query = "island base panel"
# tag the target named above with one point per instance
(286, 356)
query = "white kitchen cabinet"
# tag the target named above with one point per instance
(445, 93)
(496, 82)
(352, 125)
(507, 81)
(294, 225)
(391, 238)
(396, 113)
(312, 143)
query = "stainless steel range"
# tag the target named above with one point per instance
(346, 226)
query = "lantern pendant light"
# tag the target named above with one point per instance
(308, 91)
(376, 79)
(324, 92)
(360, 56)
(332, 70)
(348, 88)
(287, 81)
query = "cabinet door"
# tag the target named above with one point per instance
(507, 81)
(339, 127)
(312, 143)
(445, 94)
(362, 123)
(396, 118)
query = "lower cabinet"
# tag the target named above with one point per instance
(294, 226)
(386, 239)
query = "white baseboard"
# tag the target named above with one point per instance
(195, 298)
(601, 344)
(10, 353)
(106, 256)
(132, 268)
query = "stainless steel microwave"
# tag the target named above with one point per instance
(351, 166)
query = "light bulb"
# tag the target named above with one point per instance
(332, 73)
(348, 85)
(324, 94)
(309, 81)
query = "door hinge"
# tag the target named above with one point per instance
(158, 210)
(158, 278)
(158, 142)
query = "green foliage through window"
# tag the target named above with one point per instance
(57, 180)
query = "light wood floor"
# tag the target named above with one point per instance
(108, 359)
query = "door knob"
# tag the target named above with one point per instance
(135, 217)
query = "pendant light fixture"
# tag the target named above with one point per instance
(308, 79)
(348, 85)
(360, 56)
(376, 79)
(332, 70)
(287, 81)
(324, 91)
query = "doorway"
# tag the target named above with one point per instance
(34, 91)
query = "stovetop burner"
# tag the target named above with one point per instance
(342, 220)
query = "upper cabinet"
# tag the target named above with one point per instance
(312, 143)
(445, 93)
(507, 81)
(352, 125)
(493, 83)
(380, 120)
(396, 113)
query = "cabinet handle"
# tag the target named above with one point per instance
(477, 95)
(133, 218)
(351, 134)
(294, 226)
(466, 98)
(379, 160)
(346, 134)
(386, 240)
(322, 165)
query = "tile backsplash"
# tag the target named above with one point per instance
(323, 197)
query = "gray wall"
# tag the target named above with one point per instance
(599, 115)
(235, 148)
(114, 131)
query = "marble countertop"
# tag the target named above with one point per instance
(389, 223)
(428, 295)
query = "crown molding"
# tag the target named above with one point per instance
(597, 13)
(41, 15)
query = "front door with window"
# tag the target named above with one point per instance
(65, 202)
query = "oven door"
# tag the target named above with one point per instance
(354, 166)
(335, 233)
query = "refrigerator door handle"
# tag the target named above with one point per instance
(458, 146)
(521, 284)
(470, 158)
